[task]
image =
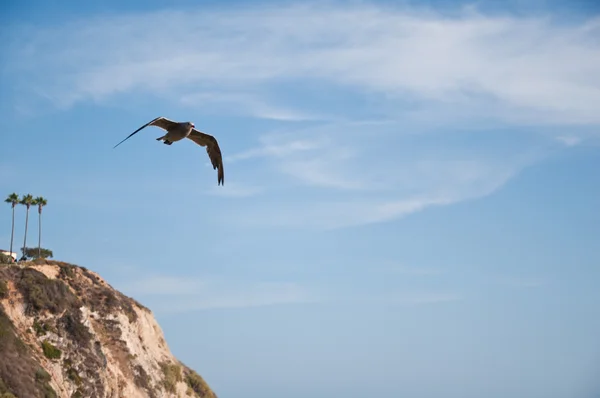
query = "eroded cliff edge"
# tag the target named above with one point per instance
(65, 332)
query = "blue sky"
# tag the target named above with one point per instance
(411, 188)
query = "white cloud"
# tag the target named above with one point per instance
(165, 285)
(374, 183)
(322, 172)
(336, 214)
(245, 104)
(314, 159)
(473, 64)
(270, 149)
(569, 140)
(183, 294)
(378, 74)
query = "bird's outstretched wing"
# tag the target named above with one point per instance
(213, 150)
(160, 121)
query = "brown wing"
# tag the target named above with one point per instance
(160, 121)
(213, 150)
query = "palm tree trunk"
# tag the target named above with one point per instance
(40, 235)
(12, 232)
(25, 239)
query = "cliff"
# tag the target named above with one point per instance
(65, 332)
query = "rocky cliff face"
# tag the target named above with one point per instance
(65, 332)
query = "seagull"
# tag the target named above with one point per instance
(177, 131)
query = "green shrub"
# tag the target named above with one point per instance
(50, 351)
(74, 376)
(22, 370)
(3, 289)
(129, 311)
(42, 328)
(42, 293)
(39, 330)
(79, 333)
(49, 392)
(197, 383)
(77, 394)
(66, 271)
(32, 252)
(142, 380)
(172, 374)
(41, 375)
(6, 259)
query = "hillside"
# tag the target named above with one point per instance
(65, 332)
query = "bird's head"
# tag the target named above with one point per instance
(191, 125)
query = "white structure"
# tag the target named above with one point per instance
(12, 254)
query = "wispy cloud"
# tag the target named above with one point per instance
(467, 63)
(273, 149)
(309, 157)
(337, 214)
(365, 78)
(244, 104)
(395, 188)
(184, 294)
(166, 286)
(569, 140)
(322, 171)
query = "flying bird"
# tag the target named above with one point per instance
(177, 131)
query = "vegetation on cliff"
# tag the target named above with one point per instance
(73, 322)
(20, 374)
(28, 200)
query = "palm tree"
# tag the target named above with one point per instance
(40, 202)
(13, 199)
(27, 201)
